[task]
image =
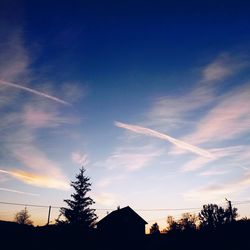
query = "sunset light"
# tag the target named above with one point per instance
(151, 98)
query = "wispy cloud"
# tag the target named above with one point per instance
(131, 158)
(20, 144)
(33, 116)
(17, 191)
(180, 108)
(172, 111)
(200, 162)
(14, 61)
(220, 191)
(212, 172)
(223, 66)
(6, 96)
(105, 198)
(44, 117)
(24, 120)
(107, 181)
(186, 108)
(14, 57)
(195, 164)
(229, 118)
(80, 159)
(73, 91)
(33, 91)
(32, 157)
(176, 142)
(37, 180)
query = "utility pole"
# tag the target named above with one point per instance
(230, 209)
(49, 215)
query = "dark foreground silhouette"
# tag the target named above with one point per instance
(235, 235)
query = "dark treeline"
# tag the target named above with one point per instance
(210, 217)
(233, 235)
(213, 228)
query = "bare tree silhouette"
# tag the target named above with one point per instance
(23, 217)
(188, 222)
(212, 216)
(172, 224)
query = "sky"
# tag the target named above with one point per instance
(151, 97)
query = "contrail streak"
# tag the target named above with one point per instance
(14, 85)
(176, 142)
(18, 192)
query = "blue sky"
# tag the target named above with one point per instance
(152, 97)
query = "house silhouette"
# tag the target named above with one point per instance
(123, 222)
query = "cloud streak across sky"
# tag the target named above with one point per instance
(212, 113)
(17, 191)
(25, 121)
(33, 91)
(190, 119)
(176, 142)
(202, 114)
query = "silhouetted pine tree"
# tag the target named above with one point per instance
(79, 211)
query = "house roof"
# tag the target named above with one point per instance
(121, 213)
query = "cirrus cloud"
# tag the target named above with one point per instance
(37, 180)
(176, 142)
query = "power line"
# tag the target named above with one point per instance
(157, 219)
(166, 209)
(241, 202)
(178, 215)
(104, 209)
(22, 204)
(111, 209)
(35, 205)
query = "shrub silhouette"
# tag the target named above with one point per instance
(154, 229)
